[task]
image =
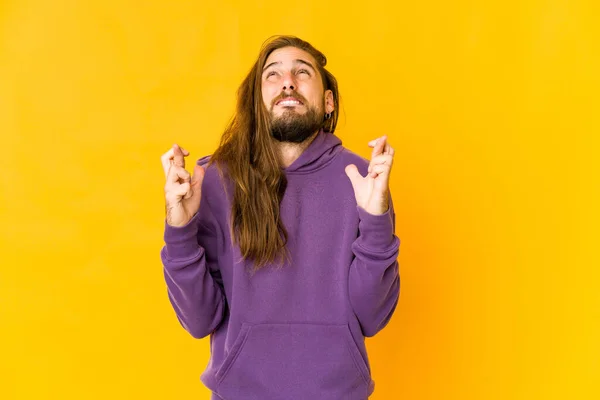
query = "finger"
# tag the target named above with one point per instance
(379, 169)
(388, 149)
(166, 161)
(189, 192)
(385, 159)
(198, 177)
(182, 190)
(184, 151)
(373, 142)
(178, 175)
(378, 149)
(382, 159)
(178, 156)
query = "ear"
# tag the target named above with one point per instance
(329, 103)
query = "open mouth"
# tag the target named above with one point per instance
(289, 102)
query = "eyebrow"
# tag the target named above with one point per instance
(297, 61)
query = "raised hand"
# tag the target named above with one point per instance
(182, 191)
(372, 191)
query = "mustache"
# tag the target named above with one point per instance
(283, 95)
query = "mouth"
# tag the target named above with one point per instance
(288, 102)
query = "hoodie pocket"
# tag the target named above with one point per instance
(294, 360)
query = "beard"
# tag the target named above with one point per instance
(296, 128)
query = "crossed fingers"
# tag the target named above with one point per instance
(382, 157)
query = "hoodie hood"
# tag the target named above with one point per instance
(321, 151)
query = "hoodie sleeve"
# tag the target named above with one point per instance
(374, 285)
(191, 271)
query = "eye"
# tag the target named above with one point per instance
(271, 73)
(303, 71)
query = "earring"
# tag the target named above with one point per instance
(327, 116)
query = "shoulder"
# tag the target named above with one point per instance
(347, 157)
(214, 188)
(211, 171)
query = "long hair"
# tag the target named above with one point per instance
(248, 151)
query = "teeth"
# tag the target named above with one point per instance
(289, 103)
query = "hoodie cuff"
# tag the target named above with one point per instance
(181, 242)
(376, 231)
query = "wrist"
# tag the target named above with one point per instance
(175, 216)
(377, 208)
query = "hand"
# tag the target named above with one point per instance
(372, 191)
(182, 192)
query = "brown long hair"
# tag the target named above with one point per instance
(248, 151)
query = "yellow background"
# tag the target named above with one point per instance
(492, 107)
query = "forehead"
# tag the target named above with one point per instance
(286, 55)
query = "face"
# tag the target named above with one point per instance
(293, 93)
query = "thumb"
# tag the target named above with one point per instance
(196, 182)
(353, 174)
(197, 177)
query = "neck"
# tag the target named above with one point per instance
(289, 152)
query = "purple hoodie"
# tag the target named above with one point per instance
(297, 332)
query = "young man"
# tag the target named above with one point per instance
(281, 246)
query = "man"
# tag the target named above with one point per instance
(281, 246)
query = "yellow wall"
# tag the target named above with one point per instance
(492, 107)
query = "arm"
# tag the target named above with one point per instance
(374, 281)
(194, 283)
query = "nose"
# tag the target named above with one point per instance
(288, 81)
